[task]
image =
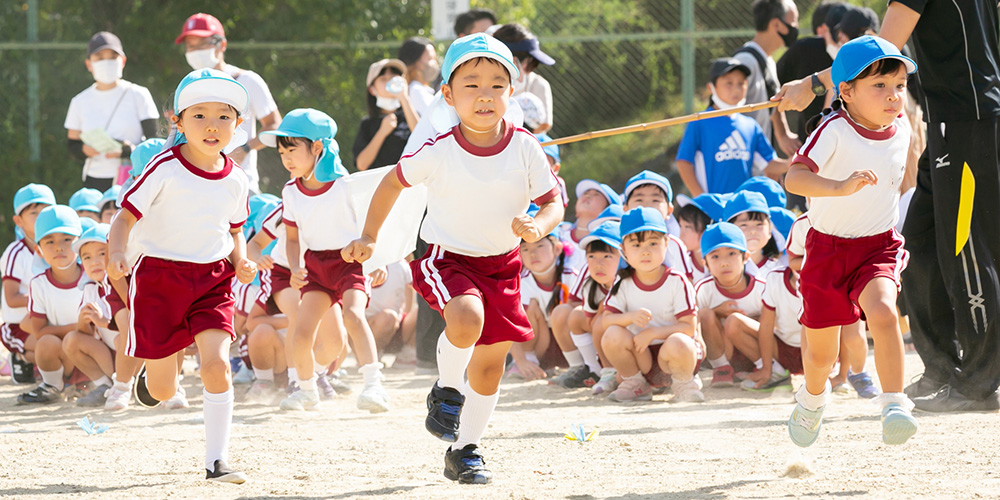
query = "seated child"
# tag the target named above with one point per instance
(693, 216)
(776, 347)
(85, 202)
(592, 198)
(650, 189)
(265, 347)
(748, 210)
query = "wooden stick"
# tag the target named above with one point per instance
(701, 115)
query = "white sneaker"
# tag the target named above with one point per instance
(118, 399)
(373, 399)
(689, 392)
(300, 400)
(607, 383)
(178, 401)
(244, 376)
(262, 391)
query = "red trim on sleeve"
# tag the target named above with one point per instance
(686, 312)
(610, 309)
(399, 175)
(268, 233)
(236, 225)
(769, 308)
(34, 314)
(805, 160)
(9, 278)
(127, 205)
(552, 193)
(287, 222)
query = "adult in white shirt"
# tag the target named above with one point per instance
(125, 111)
(528, 55)
(422, 68)
(205, 46)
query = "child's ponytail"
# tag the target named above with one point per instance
(558, 288)
(623, 274)
(814, 122)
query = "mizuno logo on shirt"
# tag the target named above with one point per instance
(735, 148)
(940, 162)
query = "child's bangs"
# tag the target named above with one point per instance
(754, 216)
(642, 236)
(476, 61)
(291, 142)
(599, 246)
(882, 67)
(694, 216)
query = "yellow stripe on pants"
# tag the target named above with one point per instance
(966, 197)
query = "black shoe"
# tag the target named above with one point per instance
(141, 392)
(223, 474)
(43, 394)
(444, 405)
(21, 371)
(947, 399)
(924, 386)
(466, 466)
(580, 377)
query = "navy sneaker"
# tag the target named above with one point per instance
(43, 394)
(223, 474)
(466, 465)
(141, 392)
(21, 371)
(444, 406)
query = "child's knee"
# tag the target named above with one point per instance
(678, 346)
(71, 342)
(616, 338)
(215, 368)
(882, 315)
(732, 327)
(48, 347)
(161, 390)
(819, 358)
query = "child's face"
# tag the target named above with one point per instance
(645, 255)
(731, 87)
(690, 235)
(603, 266)
(208, 127)
(590, 204)
(57, 250)
(107, 213)
(649, 195)
(26, 219)
(480, 92)
(757, 232)
(94, 257)
(299, 158)
(875, 100)
(725, 264)
(539, 256)
(90, 215)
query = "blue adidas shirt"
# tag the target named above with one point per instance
(724, 151)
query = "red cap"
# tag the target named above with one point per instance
(201, 25)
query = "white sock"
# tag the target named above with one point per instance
(776, 366)
(584, 343)
(533, 357)
(372, 373)
(476, 413)
(719, 361)
(318, 368)
(218, 411)
(759, 364)
(105, 380)
(53, 378)
(124, 386)
(810, 401)
(452, 362)
(308, 384)
(888, 398)
(574, 358)
(293, 375)
(263, 374)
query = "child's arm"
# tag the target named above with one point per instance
(12, 294)
(686, 169)
(528, 369)
(258, 316)
(246, 269)
(640, 318)
(41, 327)
(804, 182)
(685, 325)
(776, 168)
(298, 279)
(255, 248)
(121, 226)
(532, 229)
(765, 340)
(723, 310)
(384, 198)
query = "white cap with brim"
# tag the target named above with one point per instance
(210, 85)
(477, 45)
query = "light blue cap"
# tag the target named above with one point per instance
(856, 55)
(314, 125)
(550, 150)
(612, 213)
(263, 212)
(642, 219)
(722, 234)
(31, 194)
(608, 232)
(144, 152)
(477, 45)
(772, 191)
(109, 196)
(57, 219)
(210, 85)
(87, 223)
(98, 233)
(609, 193)
(711, 204)
(781, 224)
(258, 204)
(86, 199)
(745, 201)
(648, 177)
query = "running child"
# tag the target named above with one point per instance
(854, 255)
(480, 177)
(181, 285)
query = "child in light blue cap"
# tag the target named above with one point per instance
(86, 203)
(652, 190)
(749, 211)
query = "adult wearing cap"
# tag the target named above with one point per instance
(110, 108)
(382, 134)
(422, 69)
(474, 21)
(528, 55)
(950, 226)
(205, 44)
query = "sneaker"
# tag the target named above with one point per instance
(632, 389)
(373, 399)
(301, 400)
(339, 386)
(607, 383)
(178, 401)
(804, 425)
(778, 381)
(117, 399)
(558, 379)
(141, 392)
(466, 466)
(862, 383)
(947, 399)
(21, 371)
(841, 388)
(5, 369)
(582, 377)
(291, 388)
(261, 391)
(444, 406)
(223, 474)
(897, 424)
(244, 376)
(923, 386)
(514, 372)
(96, 397)
(723, 377)
(689, 392)
(43, 394)
(326, 390)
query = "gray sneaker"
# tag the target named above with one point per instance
(923, 386)
(949, 400)
(96, 397)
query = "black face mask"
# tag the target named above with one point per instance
(792, 35)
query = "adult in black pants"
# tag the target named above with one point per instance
(952, 290)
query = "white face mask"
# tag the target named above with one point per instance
(832, 51)
(719, 104)
(387, 103)
(107, 71)
(202, 59)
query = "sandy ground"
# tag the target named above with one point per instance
(733, 446)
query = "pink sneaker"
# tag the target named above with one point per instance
(632, 389)
(723, 377)
(5, 367)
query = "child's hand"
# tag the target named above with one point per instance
(641, 318)
(265, 262)
(726, 308)
(642, 341)
(117, 266)
(388, 124)
(246, 270)
(298, 279)
(378, 276)
(358, 250)
(524, 227)
(760, 377)
(529, 370)
(857, 180)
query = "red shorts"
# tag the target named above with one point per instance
(278, 278)
(496, 280)
(327, 272)
(116, 303)
(836, 270)
(659, 378)
(172, 301)
(13, 337)
(790, 357)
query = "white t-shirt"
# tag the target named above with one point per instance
(92, 108)
(97, 293)
(324, 217)
(756, 87)
(678, 257)
(56, 302)
(473, 193)
(761, 270)
(420, 98)
(697, 274)
(246, 295)
(838, 148)
(537, 85)
(273, 227)
(783, 299)
(16, 264)
(582, 294)
(261, 105)
(532, 289)
(184, 213)
(711, 296)
(576, 256)
(670, 299)
(796, 244)
(391, 294)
